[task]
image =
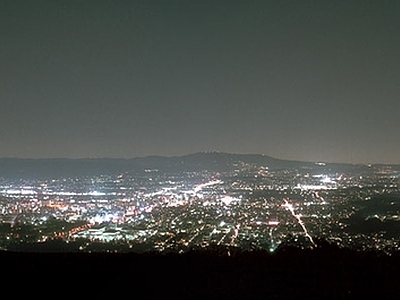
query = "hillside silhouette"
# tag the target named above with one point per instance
(326, 272)
(210, 161)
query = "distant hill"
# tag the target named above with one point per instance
(211, 161)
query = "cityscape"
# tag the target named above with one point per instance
(200, 149)
(246, 202)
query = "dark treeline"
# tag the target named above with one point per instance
(326, 272)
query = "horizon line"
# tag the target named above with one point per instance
(187, 154)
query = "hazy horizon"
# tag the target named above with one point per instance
(192, 153)
(298, 80)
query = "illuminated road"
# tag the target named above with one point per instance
(223, 237)
(235, 234)
(289, 207)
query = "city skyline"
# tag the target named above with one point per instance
(199, 202)
(296, 80)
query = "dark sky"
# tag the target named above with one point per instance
(304, 80)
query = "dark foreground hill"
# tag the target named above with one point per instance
(291, 273)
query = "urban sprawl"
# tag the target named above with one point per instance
(250, 207)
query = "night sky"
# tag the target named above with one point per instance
(303, 80)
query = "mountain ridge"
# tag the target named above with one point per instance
(198, 161)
